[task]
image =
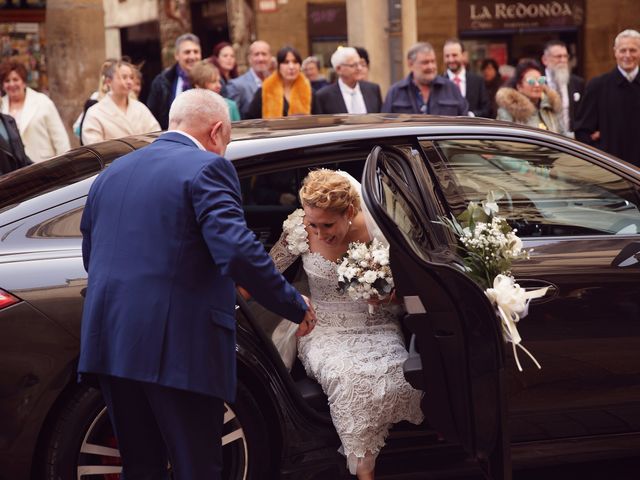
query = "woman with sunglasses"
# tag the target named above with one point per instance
(529, 101)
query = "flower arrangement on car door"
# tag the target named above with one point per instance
(489, 245)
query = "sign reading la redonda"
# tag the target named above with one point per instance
(511, 14)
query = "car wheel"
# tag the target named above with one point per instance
(81, 444)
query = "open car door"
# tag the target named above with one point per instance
(456, 354)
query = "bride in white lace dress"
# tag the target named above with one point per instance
(356, 356)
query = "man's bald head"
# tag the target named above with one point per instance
(202, 114)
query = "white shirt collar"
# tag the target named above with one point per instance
(255, 76)
(194, 140)
(344, 88)
(353, 99)
(631, 76)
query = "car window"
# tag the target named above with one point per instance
(268, 198)
(546, 192)
(63, 225)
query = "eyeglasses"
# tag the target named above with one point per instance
(352, 65)
(539, 81)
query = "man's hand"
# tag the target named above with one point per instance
(595, 136)
(309, 320)
(243, 293)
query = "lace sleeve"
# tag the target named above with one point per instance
(292, 243)
(281, 255)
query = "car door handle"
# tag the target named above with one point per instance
(534, 284)
(629, 256)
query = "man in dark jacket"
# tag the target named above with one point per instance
(423, 90)
(471, 85)
(609, 114)
(12, 154)
(175, 79)
(348, 95)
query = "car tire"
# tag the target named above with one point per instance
(80, 443)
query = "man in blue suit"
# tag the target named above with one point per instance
(243, 88)
(164, 241)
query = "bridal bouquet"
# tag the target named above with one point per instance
(365, 272)
(489, 245)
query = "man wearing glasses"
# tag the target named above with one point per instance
(423, 90)
(570, 87)
(348, 95)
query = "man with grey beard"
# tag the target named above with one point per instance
(570, 87)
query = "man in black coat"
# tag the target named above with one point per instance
(12, 154)
(471, 85)
(609, 115)
(570, 87)
(175, 79)
(348, 95)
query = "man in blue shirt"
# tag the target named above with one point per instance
(423, 90)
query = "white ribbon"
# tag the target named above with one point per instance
(512, 303)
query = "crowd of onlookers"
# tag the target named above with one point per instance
(541, 93)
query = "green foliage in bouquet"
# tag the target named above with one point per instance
(487, 243)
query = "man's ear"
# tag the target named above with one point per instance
(213, 133)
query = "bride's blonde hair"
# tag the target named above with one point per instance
(329, 190)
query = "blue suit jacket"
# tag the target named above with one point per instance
(242, 89)
(164, 239)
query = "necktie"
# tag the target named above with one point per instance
(356, 104)
(457, 80)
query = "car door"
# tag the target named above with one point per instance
(456, 353)
(581, 217)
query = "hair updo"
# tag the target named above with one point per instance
(329, 190)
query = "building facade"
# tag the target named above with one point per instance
(64, 42)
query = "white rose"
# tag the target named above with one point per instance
(370, 276)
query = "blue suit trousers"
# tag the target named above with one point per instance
(155, 424)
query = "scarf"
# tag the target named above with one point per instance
(273, 96)
(186, 81)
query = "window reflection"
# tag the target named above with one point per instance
(545, 191)
(65, 225)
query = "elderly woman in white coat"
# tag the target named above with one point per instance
(117, 114)
(38, 120)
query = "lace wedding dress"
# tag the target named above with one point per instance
(355, 356)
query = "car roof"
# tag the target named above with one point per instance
(259, 137)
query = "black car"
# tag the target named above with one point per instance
(578, 208)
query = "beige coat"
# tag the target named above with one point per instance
(40, 126)
(105, 120)
(514, 106)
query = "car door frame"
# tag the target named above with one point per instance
(464, 400)
(525, 408)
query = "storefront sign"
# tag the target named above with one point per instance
(475, 15)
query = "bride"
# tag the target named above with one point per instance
(356, 356)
